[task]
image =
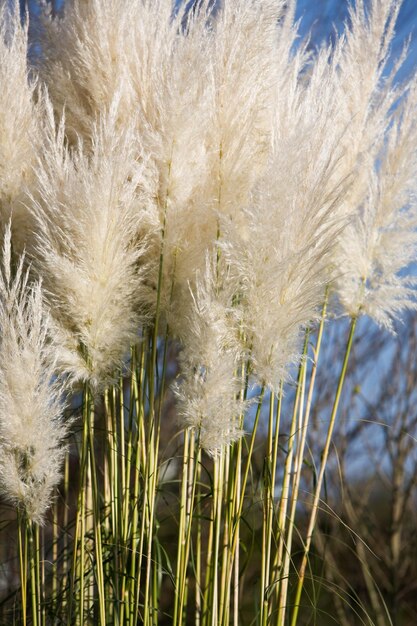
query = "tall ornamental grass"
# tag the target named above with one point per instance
(189, 197)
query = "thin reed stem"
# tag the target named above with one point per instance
(283, 504)
(324, 457)
(218, 483)
(182, 530)
(139, 375)
(23, 563)
(239, 497)
(198, 548)
(65, 551)
(34, 569)
(288, 524)
(304, 422)
(151, 477)
(98, 548)
(269, 486)
(54, 564)
(40, 557)
(76, 593)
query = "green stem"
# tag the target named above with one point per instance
(319, 484)
(270, 469)
(66, 557)
(111, 498)
(99, 572)
(304, 421)
(198, 559)
(78, 560)
(140, 464)
(179, 578)
(190, 473)
(153, 441)
(228, 517)
(283, 504)
(218, 497)
(33, 573)
(240, 490)
(54, 564)
(23, 564)
(151, 479)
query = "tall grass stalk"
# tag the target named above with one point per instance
(198, 543)
(77, 579)
(236, 572)
(230, 503)
(23, 564)
(65, 525)
(300, 451)
(128, 461)
(188, 487)
(96, 506)
(238, 483)
(278, 575)
(111, 486)
(140, 456)
(151, 482)
(226, 562)
(33, 573)
(320, 478)
(292, 468)
(40, 550)
(270, 468)
(237, 493)
(55, 541)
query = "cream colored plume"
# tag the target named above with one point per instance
(94, 227)
(19, 122)
(380, 243)
(32, 429)
(209, 392)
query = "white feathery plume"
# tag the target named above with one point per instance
(19, 119)
(32, 429)
(365, 90)
(239, 57)
(275, 185)
(203, 86)
(155, 60)
(168, 72)
(93, 224)
(208, 395)
(241, 62)
(381, 242)
(282, 271)
(230, 117)
(96, 49)
(380, 151)
(85, 59)
(240, 53)
(281, 262)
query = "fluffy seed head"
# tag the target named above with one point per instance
(19, 119)
(380, 242)
(32, 429)
(208, 395)
(92, 235)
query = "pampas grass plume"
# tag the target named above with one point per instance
(19, 122)
(93, 231)
(32, 428)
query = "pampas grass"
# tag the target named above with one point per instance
(189, 180)
(19, 122)
(31, 423)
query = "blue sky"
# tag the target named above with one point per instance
(322, 17)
